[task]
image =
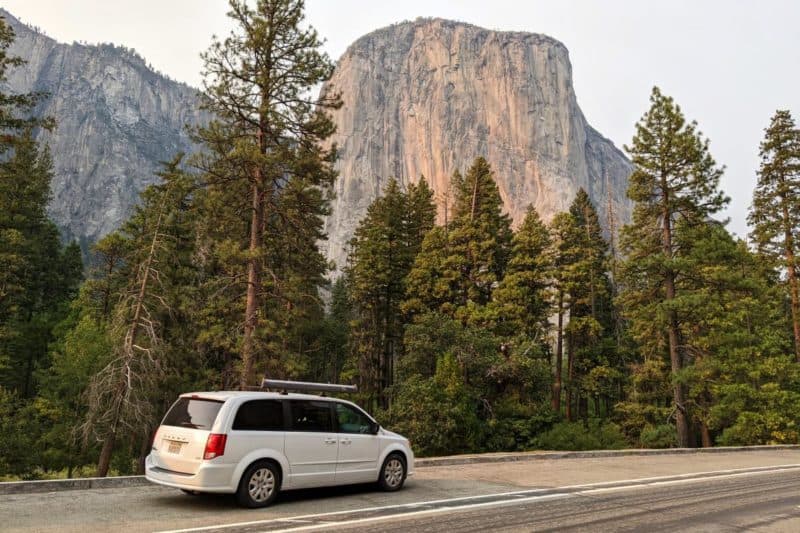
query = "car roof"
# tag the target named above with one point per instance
(223, 396)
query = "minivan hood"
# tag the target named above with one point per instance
(386, 433)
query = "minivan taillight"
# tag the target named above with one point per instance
(215, 445)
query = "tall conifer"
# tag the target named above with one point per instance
(461, 264)
(675, 180)
(383, 251)
(521, 302)
(775, 212)
(267, 131)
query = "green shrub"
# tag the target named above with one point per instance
(661, 436)
(438, 421)
(515, 425)
(576, 436)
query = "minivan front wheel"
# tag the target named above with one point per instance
(393, 473)
(259, 485)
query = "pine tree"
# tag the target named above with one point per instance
(675, 180)
(521, 303)
(105, 283)
(148, 309)
(38, 275)
(460, 265)
(267, 131)
(561, 229)
(588, 286)
(733, 330)
(329, 365)
(775, 213)
(420, 216)
(383, 251)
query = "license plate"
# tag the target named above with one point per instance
(174, 446)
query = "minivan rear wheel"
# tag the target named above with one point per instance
(393, 473)
(259, 485)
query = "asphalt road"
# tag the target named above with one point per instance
(766, 500)
(723, 492)
(763, 502)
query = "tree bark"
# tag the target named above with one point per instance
(144, 449)
(793, 282)
(105, 454)
(705, 436)
(583, 408)
(556, 400)
(253, 285)
(675, 357)
(128, 350)
(570, 377)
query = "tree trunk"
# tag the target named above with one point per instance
(793, 282)
(675, 358)
(253, 285)
(128, 348)
(705, 436)
(556, 401)
(144, 449)
(570, 377)
(105, 454)
(678, 390)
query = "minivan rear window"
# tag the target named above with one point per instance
(193, 413)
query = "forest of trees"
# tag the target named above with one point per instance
(464, 332)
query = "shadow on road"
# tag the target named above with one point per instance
(221, 502)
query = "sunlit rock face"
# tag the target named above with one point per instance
(427, 97)
(420, 98)
(116, 120)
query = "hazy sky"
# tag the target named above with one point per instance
(729, 64)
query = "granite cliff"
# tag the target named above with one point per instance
(116, 120)
(420, 98)
(426, 97)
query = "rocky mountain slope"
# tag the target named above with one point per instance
(420, 98)
(426, 97)
(116, 119)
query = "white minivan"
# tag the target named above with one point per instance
(255, 444)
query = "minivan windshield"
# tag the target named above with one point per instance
(193, 413)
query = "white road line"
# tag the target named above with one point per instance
(438, 510)
(519, 496)
(500, 503)
(360, 510)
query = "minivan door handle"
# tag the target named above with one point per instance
(330, 440)
(345, 441)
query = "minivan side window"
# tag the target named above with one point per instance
(350, 420)
(259, 415)
(309, 415)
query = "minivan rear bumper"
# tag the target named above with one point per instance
(208, 478)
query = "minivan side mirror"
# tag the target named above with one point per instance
(374, 427)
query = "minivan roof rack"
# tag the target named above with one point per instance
(306, 386)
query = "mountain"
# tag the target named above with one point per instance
(116, 120)
(420, 98)
(427, 97)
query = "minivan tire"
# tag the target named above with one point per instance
(259, 485)
(393, 473)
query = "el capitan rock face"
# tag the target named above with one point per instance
(420, 98)
(116, 120)
(427, 97)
